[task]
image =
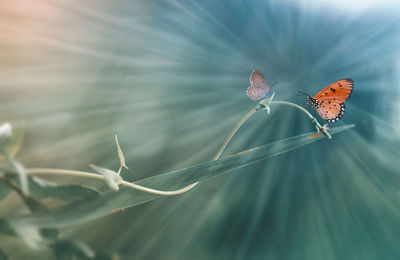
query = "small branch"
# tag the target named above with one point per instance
(45, 171)
(14, 187)
(262, 104)
(39, 171)
(31, 203)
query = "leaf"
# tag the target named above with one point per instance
(108, 256)
(34, 205)
(33, 236)
(3, 256)
(68, 193)
(6, 228)
(109, 201)
(49, 233)
(67, 249)
(41, 189)
(4, 190)
(28, 233)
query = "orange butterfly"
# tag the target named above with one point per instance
(330, 102)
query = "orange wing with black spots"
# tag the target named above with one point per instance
(339, 91)
(330, 102)
(331, 112)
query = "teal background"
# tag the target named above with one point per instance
(170, 77)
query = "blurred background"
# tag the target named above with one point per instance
(170, 78)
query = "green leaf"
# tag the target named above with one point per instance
(49, 233)
(4, 190)
(109, 201)
(66, 249)
(68, 193)
(3, 256)
(34, 205)
(6, 228)
(28, 233)
(41, 189)
(108, 256)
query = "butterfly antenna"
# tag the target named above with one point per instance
(273, 84)
(301, 93)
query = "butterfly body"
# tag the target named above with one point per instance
(330, 102)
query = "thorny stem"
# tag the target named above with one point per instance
(40, 171)
(262, 104)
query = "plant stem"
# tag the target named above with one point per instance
(38, 171)
(45, 171)
(223, 146)
(238, 125)
(296, 106)
(313, 119)
(14, 187)
(31, 203)
(246, 117)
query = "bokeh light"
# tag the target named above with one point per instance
(170, 77)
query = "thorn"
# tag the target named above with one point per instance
(120, 155)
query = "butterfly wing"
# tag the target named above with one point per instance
(338, 92)
(259, 87)
(330, 102)
(331, 111)
(257, 79)
(256, 93)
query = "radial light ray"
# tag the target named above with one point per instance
(170, 78)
